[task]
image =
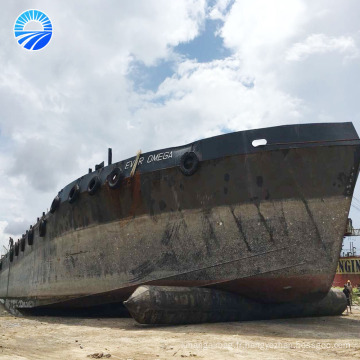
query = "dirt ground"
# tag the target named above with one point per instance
(76, 338)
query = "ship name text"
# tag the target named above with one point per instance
(151, 158)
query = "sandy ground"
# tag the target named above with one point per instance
(76, 338)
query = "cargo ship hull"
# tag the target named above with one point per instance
(266, 222)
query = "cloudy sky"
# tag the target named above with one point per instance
(146, 74)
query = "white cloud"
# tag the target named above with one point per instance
(260, 22)
(202, 99)
(17, 226)
(219, 10)
(322, 44)
(257, 30)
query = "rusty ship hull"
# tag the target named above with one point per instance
(266, 222)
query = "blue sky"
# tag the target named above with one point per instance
(206, 47)
(160, 73)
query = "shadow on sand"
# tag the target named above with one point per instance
(115, 316)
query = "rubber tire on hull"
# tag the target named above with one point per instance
(22, 244)
(17, 248)
(94, 185)
(74, 193)
(189, 163)
(115, 178)
(42, 228)
(30, 236)
(55, 204)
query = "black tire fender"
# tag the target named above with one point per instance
(22, 244)
(17, 248)
(189, 163)
(94, 185)
(115, 178)
(42, 228)
(74, 193)
(55, 204)
(30, 236)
